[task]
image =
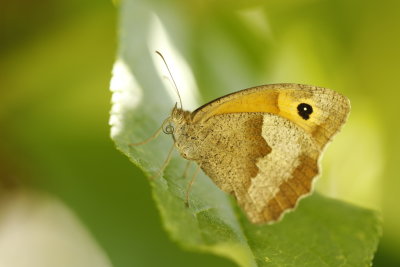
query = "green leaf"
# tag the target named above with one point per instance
(320, 232)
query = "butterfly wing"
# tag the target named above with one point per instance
(261, 145)
(264, 160)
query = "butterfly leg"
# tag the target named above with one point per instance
(154, 136)
(167, 160)
(186, 170)
(189, 187)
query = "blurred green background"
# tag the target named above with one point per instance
(55, 66)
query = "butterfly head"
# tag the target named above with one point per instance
(177, 118)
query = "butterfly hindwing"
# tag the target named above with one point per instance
(226, 147)
(286, 173)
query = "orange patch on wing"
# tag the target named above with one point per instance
(260, 101)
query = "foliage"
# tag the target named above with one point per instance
(321, 231)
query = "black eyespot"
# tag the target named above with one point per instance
(304, 110)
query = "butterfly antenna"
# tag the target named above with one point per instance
(172, 78)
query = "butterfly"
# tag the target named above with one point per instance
(262, 144)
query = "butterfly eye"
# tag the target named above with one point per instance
(304, 110)
(168, 129)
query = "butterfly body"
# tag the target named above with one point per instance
(262, 144)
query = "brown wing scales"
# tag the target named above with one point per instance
(231, 148)
(290, 190)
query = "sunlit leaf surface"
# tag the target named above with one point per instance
(320, 232)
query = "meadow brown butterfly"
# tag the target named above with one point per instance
(261, 144)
